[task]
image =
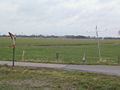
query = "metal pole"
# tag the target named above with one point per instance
(13, 57)
(98, 41)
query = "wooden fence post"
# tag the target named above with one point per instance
(57, 56)
(118, 59)
(23, 54)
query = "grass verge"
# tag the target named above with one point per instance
(24, 78)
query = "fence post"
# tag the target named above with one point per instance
(23, 54)
(118, 59)
(57, 56)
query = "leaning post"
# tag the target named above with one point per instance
(13, 46)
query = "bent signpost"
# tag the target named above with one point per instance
(13, 45)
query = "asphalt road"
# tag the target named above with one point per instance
(104, 69)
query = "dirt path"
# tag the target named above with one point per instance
(110, 70)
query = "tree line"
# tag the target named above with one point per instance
(65, 36)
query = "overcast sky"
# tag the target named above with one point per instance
(60, 17)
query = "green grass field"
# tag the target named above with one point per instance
(70, 50)
(23, 78)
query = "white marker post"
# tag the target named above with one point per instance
(84, 58)
(13, 45)
(99, 51)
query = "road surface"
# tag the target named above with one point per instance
(104, 69)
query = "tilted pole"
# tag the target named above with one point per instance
(13, 45)
(98, 44)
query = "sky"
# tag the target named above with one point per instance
(60, 17)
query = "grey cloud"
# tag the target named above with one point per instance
(45, 16)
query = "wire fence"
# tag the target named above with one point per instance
(67, 59)
(56, 57)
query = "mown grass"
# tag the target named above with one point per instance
(110, 50)
(24, 78)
